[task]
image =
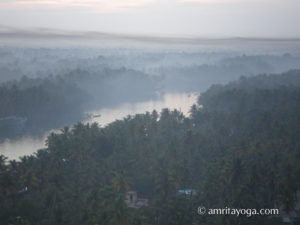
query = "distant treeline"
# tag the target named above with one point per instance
(61, 84)
(115, 86)
(218, 64)
(239, 148)
(200, 77)
(55, 101)
(43, 104)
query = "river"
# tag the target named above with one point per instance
(13, 149)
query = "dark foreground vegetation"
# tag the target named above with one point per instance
(240, 148)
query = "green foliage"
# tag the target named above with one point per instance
(241, 155)
(43, 103)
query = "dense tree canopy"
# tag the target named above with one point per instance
(36, 105)
(239, 148)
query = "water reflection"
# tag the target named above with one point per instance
(13, 149)
(28, 145)
(179, 101)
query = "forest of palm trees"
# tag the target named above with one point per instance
(239, 148)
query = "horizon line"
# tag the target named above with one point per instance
(43, 33)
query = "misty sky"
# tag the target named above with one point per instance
(206, 18)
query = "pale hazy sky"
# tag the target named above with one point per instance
(206, 18)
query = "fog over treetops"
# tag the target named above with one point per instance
(149, 112)
(53, 77)
(237, 146)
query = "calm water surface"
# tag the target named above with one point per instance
(180, 101)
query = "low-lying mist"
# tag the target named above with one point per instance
(52, 78)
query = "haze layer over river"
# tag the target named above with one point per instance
(51, 80)
(26, 145)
